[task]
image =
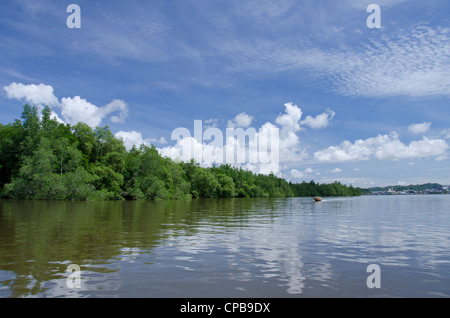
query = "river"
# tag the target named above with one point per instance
(291, 247)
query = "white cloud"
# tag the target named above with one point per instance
(362, 4)
(290, 125)
(116, 105)
(134, 138)
(188, 148)
(55, 116)
(411, 63)
(297, 174)
(320, 121)
(382, 147)
(160, 140)
(212, 122)
(76, 109)
(290, 120)
(336, 170)
(302, 174)
(446, 133)
(130, 138)
(34, 94)
(419, 128)
(241, 120)
(73, 110)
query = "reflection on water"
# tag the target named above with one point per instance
(226, 248)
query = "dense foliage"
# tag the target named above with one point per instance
(41, 158)
(335, 189)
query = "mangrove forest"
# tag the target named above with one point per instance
(43, 159)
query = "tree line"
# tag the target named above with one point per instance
(43, 159)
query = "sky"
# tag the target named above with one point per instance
(359, 105)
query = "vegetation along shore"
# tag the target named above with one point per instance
(43, 159)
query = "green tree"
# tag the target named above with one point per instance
(11, 136)
(204, 184)
(85, 139)
(226, 189)
(107, 162)
(36, 179)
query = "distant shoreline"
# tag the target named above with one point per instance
(427, 188)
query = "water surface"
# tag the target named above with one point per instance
(227, 248)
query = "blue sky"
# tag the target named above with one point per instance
(366, 106)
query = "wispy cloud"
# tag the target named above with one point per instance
(420, 128)
(408, 62)
(411, 63)
(415, 63)
(446, 133)
(362, 4)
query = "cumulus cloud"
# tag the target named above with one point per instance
(290, 120)
(320, 121)
(72, 109)
(419, 128)
(241, 120)
(34, 94)
(55, 116)
(290, 125)
(77, 109)
(134, 138)
(188, 148)
(336, 170)
(130, 138)
(382, 147)
(160, 140)
(296, 174)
